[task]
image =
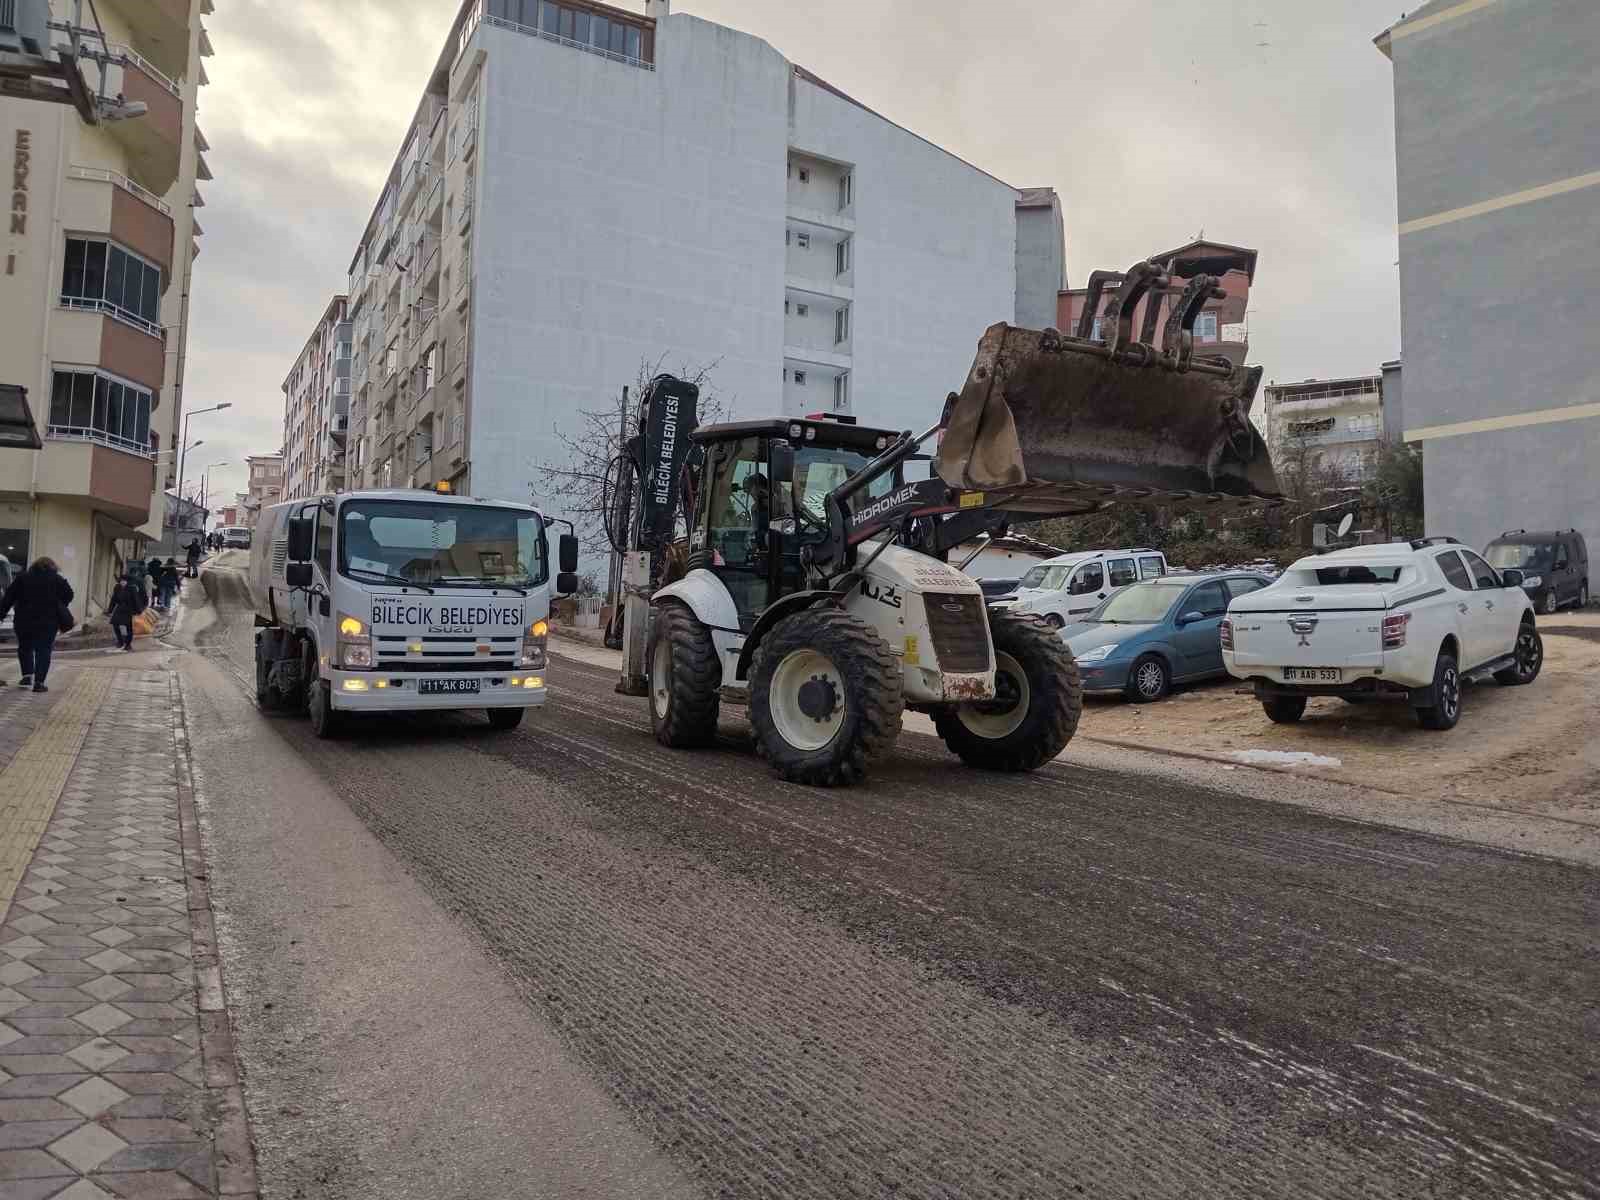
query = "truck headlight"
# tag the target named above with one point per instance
(533, 640)
(354, 644)
(1097, 654)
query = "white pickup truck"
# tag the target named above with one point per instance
(1404, 620)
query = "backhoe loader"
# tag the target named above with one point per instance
(796, 566)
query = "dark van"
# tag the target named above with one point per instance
(1554, 565)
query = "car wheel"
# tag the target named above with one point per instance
(1149, 680)
(1284, 710)
(1583, 594)
(1547, 603)
(1443, 707)
(1053, 621)
(1527, 658)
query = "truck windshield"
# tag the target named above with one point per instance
(441, 544)
(1520, 555)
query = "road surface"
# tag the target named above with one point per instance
(1086, 981)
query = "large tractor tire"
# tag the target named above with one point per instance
(685, 680)
(825, 697)
(1038, 701)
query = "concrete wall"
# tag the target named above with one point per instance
(1040, 265)
(1489, 104)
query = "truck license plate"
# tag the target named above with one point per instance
(1313, 674)
(447, 687)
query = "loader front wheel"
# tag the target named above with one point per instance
(684, 680)
(1038, 699)
(825, 697)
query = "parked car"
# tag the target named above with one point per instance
(7, 574)
(994, 589)
(1554, 565)
(1153, 634)
(1403, 620)
(1068, 588)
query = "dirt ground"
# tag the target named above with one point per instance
(1532, 749)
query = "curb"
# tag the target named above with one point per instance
(233, 1151)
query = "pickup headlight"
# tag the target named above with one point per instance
(1098, 653)
(354, 644)
(1532, 580)
(533, 641)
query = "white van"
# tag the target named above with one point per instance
(1067, 588)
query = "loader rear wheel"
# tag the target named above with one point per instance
(825, 697)
(684, 680)
(1036, 707)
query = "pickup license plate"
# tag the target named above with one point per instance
(447, 687)
(1313, 674)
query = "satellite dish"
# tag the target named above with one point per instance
(1345, 522)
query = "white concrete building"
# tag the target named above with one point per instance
(316, 408)
(1334, 423)
(584, 189)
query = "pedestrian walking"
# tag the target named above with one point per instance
(169, 582)
(40, 599)
(194, 558)
(127, 602)
(152, 574)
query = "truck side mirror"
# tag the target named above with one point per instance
(297, 574)
(566, 583)
(300, 534)
(569, 554)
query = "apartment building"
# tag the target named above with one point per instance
(1220, 328)
(316, 409)
(1334, 424)
(94, 284)
(1497, 154)
(583, 189)
(264, 486)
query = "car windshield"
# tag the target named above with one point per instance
(1520, 555)
(1141, 604)
(1049, 578)
(442, 544)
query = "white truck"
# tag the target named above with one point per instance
(1404, 620)
(403, 600)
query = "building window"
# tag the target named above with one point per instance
(802, 310)
(103, 275)
(800, 378)
(841, 392)
(847, 195)
(1205, 327)
(803, 240)
(842, 257)
(94, 405)
(805, 175)
(841, 325)
(1094, 333)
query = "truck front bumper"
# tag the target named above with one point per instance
(390, 691)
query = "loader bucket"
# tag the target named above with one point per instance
(1055, 415)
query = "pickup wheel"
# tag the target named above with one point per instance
(505, 718)
(1284, 710)
(1527, 658)
(1443, 706)
(1148, 680)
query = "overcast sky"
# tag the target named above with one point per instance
(1264, 123)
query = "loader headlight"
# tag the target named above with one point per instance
(1098, 654)
(355, 644)
(533, 640)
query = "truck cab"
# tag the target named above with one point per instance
(404, 600)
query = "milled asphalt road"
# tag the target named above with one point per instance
(1079, 982)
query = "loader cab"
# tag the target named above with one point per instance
(760, 499)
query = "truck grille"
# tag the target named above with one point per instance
(959, 629)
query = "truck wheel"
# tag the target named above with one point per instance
(505, 718)
(265, 698)
(1148, 680)
(1527, 658)
(684, 679)
(1443, 706)
(1284, 710)
(825, 697)
(1038, 699)
(324, 721)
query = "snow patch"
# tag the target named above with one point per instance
(1285, 758)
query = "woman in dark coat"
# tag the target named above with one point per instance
(36, 597)
(127, 602)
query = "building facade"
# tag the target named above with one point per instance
(584, 190)
(1497, 153)
(316, 409)
(264, 486)
(1332, 424)
(95, 273)
(1220, 328)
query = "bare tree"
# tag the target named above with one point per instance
(592, 439)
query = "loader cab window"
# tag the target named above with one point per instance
(735, 513)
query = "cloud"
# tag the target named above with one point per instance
(1264, 124)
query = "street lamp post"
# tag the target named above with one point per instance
(183, 442)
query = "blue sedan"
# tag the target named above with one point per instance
(1154, 634)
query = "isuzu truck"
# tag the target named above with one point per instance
(403, 600)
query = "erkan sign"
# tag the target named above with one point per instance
(669, 418)
(19, 182)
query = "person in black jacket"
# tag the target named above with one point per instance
(37, 597)
(127, 602)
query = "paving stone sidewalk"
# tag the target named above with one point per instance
(116, 1070)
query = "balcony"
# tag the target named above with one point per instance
(159, 27)
(100, 201)
(94, 332)
(115, 477)
(153, 142)
(1333, 437)
(627, 43)
(432, 206)
(415, 176)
